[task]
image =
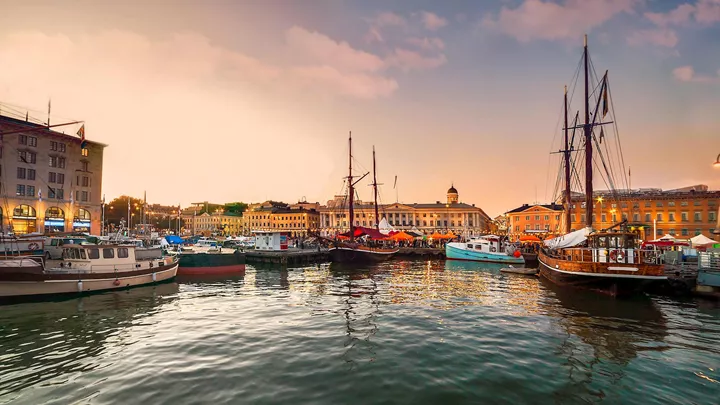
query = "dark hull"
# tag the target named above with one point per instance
(350, 255)
(612, 286)
(212, 263)
(531, 259)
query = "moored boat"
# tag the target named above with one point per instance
(352, 253)
(489, 248)
(196, 261)
(84, 269)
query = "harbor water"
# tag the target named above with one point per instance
(405, 332)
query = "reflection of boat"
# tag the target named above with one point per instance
(60, 337)
(612, 263)
(354, 252)
(489, 248)
(86, 268)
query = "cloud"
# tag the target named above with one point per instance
(411, 60)
(389, 19)
(321, 49)
(661, 37)
(687, 74)
(704, 12)
(537, 19)
(426, 43)
(432, 21)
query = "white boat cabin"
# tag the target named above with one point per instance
(487, 244)
(105, 258)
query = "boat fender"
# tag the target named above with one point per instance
(116, 282)
(154, 278)
(617, 256)
(62, 265)
(517, 254)
(69, 264)
(80, 286)
(151, 265)
(492, 249)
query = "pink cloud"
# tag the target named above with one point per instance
(687, 74)
(320, 49)
(387, 18)
(433, 21)
(426, 43)
(707, 11)
(411, 60)
(537, 19)
(661, 37)
(704, 12)
(373, 35)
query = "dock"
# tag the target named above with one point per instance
(290, 256)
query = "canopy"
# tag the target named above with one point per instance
(663, 243)
(529, 238)
(173, 239)
(701, 240)
(384, 227)
(449, 235)
(360, 231)
(401, 236)
(569, 239)
(667, 237)
(436, 235)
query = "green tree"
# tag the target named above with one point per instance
(117, 209)
(235, 207)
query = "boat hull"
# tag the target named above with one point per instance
(454, 253)
(599, 277)
(353, 255)
(211, 263)
(41, 284)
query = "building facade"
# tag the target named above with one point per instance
(299, 219)
(534, 218)
(209, 223)
(454, 216)
(683, 212)
(49, 182)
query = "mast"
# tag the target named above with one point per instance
(568, 199)
(375, 192)
(588, 146)
(351, 190)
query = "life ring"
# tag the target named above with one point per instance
(617, 256)
(33, 246)
(492, 249)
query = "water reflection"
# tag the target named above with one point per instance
(602, 336)
(45, 341)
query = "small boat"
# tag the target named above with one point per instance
(214, 260)
(519, 270)
(489, 248)
(356, 253)
(83, 269)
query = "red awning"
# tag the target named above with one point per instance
(371, 233)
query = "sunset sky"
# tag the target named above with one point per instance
(253, 100)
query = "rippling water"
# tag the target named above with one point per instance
(399, 332)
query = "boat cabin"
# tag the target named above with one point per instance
(54, 246)
(612, 247)
(486, 244)
(103, 258)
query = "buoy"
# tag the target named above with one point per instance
(153, 277)
(517, 254)
(80, 287)
(116, 282)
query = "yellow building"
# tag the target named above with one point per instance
(297, 219)
(460, 218)
(50, 182)
(218, 222)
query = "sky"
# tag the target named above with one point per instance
(253, 100)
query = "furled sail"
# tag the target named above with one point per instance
(568, 240)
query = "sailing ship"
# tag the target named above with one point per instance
(352, 251)
(611, 262)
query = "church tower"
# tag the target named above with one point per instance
(452, 195)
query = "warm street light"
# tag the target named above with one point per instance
(717, 162)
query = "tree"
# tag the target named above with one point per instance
(117, 209)
(235, 207)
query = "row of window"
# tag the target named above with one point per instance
(24, 210)
(25, 174)
(54, 146)
(537, 217)
(60, 162)
(648, 204)
(683, 231)
(403, 216)
(684, 217)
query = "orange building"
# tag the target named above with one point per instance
(684, 212)
(535, 218)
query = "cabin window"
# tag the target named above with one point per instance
(478, 247)
(122, 253)
(82, 254)
(108, 253)
(54, 242)
(469, 246)
(93, 253)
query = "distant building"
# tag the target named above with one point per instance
(50, 183)
(298, 219)
(207, 218)
(460, 218)
(683, 212)
(534, 218)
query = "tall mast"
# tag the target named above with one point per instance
(351, 190)
(588, 146)
(375, 192)
(568, 199)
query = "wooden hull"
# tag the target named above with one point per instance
(24, 284)
(212, 263)
(359, 255)
(608, 278)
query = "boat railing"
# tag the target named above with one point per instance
(607, 255)
(709, 261)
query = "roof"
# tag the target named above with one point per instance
(452, 190)
(43, 129)
(525, 207)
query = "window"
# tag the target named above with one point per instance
(61, 178)
(527, 227)
(53, 161)
(624, 205)
(582, 218)
(51, 192)
(647, 217)
(659, 216)
(698, 231)
(122, 253)
(527, 217)
(61, 162)
(20, 190)
(698, 216)
(52, 177)
(85, 167)
(537, 217)
(647, 204)
(53, 145)
(671, 203)
(31, 174)
(684, 203)
(84, 151)
(659, 204)
(672, 231)
(27, 156)
(23, 140)
(86, 183)
(517, 228)
(636, 217)
(624, 216)
(684, 232)
(671, 216)
(31, 191)
(547, 217)
(62, 147)
(697, 203)
(32, 141)
(108, 253)
(684, 216)
(21, 172)
(660, 231)
(537, 227)
(603, 218)
(557, 217)
(711, 216)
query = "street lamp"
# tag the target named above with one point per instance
(717, 162)
(600, 200)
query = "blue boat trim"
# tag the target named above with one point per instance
(453, 253)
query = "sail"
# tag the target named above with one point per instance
(385, 227)
(568, 240)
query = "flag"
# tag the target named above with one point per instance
(629, 171)
(49, 100)
(81, 134)
(39, 194)
(395, 184)
(605, 100)
(602, 135)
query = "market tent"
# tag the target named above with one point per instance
(384, 227)
(369, 232)
(401, 236)
(449, 235)
(529, 238)
(667, 237)
(701, 240)
(435, 235)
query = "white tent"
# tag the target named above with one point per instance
(667, 237)
(701, 240)
(568, 240)
(384, 227)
